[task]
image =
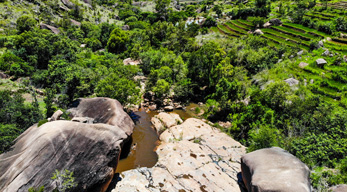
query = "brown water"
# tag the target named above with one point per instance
(146, 140)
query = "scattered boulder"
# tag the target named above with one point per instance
(192, 156)
(267, 25)
(3, 75)
(300, 52)
(74, 22)
(274, 169)
(303, 65)
(339, 188)
(152, 107)
(320, 44)
(275, 22)
(291, 81)
(63, 8)
(326, 53)
(90, 151)
(49, 27)
(89, 2)
(342, 35)
(126, 27)
(168, 108)
(103, 110)
(56, 115)
(258, 32)
(321, 62)
(68, 3)
(129, 61)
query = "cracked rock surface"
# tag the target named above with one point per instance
(192, 156)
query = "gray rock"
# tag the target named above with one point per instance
(275, 22)
(274, 169)
(56, 115)
(320, 44)
(291, 81)
(267, 24)
(258, 32)
(192, 156)
(126, 27)
(90, 151)
(168, 108)
(3, 75)
(300, 52)
(303, 65)
(49, 27)
(153, 107)
(68, 3)
(339, 188)
(103, 110)
(326, 53)
(321, 62)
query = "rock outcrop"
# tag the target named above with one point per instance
(68, 3)
(163, 121)
(192, 156)
(49, 27)
(274, 169)
(90, 151)
(103, 110)
(339, 188)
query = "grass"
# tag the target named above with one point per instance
(240, 25)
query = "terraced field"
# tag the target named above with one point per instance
(290, 34)
(338, 5)
(329, 81)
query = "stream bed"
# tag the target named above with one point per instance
(145, 140)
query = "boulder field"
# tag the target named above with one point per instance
(90, 150)
(192, 156)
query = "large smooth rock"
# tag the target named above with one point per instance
(103, 110)
(274, 169)
(90, 151)
(339, 188)
(192, 156)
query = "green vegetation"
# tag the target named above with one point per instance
(216, 57)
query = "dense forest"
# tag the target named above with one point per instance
(253, 63)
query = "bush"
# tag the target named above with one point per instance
(130, 19)
(326, 28)
(25, 23)
(210, 22)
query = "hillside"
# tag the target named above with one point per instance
(274, 72)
